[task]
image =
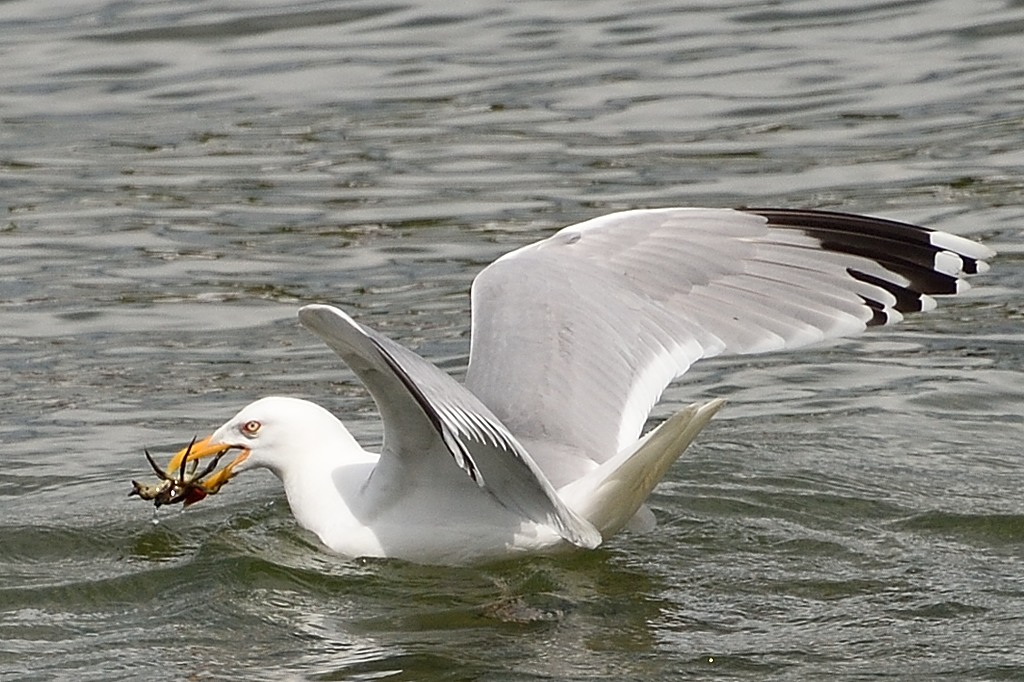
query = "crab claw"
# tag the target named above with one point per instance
(141, 489)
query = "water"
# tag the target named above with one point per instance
(177, 177)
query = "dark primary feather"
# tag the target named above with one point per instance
(904, 249)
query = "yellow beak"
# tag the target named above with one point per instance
(206, 448)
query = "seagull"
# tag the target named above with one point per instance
(574, 339)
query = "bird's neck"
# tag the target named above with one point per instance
(325, 492)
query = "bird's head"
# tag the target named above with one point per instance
(275, 433)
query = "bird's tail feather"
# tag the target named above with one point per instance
(612, 494)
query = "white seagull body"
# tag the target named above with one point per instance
(574, 339)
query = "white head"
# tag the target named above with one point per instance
(274, 433)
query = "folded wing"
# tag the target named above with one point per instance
(421, 407)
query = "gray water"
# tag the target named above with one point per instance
(177, 177)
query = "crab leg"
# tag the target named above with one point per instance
(209, 467)
(156, 467)
(181, 471)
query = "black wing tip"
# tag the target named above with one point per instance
(907, 299)
(882, 231)
(915, 262)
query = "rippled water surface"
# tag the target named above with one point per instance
(177, 177)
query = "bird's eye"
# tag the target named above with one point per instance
(251, 427)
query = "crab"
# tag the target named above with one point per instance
(188, 487)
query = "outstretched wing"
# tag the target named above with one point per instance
(422, 406)
(575, 337)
